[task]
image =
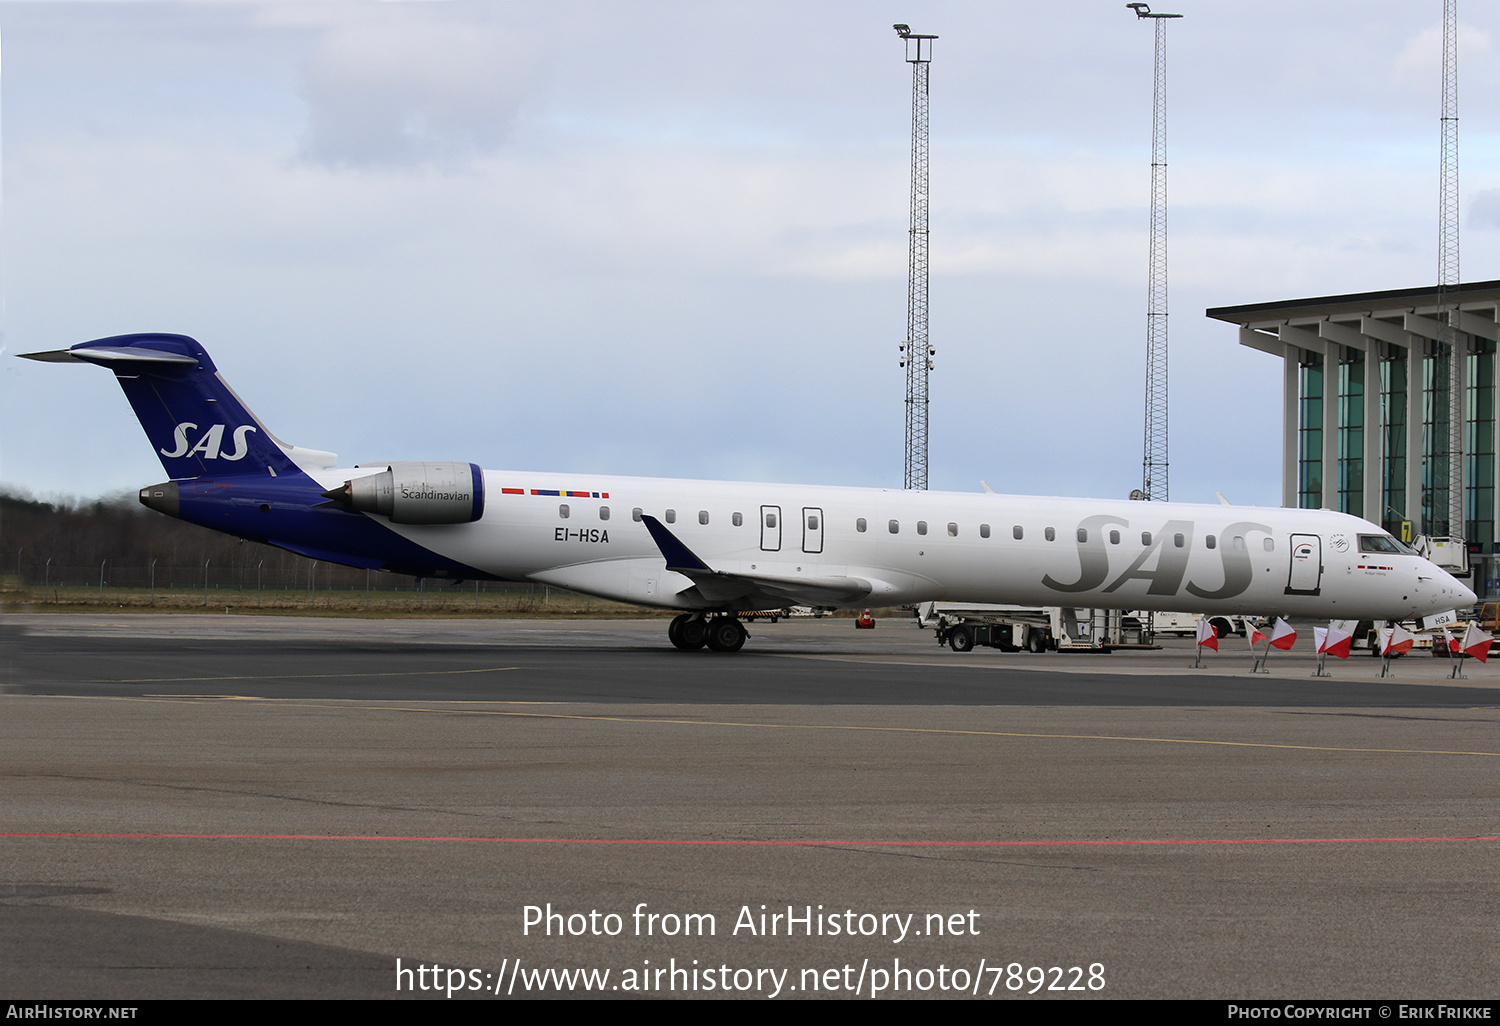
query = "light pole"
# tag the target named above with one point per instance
(917, 350)
(1154, 466)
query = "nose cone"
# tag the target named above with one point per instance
(1440, 590)
(1466, 596)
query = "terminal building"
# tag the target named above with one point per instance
(1366, 409)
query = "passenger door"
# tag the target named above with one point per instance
(1306, 573)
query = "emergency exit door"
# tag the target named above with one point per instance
(770, 528)
(1306, 574)
(812, 529)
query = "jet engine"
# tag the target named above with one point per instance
(417, 493)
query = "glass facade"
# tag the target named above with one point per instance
(1393, 472)
(1352, 434)
(1310, 433)
(1435, 442)
(1479, 446)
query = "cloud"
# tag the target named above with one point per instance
(1423, 53)
(1484, 212)
(398, 89)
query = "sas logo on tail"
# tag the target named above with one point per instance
(210, 444)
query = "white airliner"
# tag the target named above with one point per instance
(711, 548)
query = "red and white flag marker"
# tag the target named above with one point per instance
(1477, 642)
(1332, 641)
(1340, 643)
(1208, 637)
(1282, 637)
(1395, 640)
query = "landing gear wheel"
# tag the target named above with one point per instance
(960, 640)
(1036, 642)
(687, 633)
(726, 635)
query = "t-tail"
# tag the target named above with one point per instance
(196, 423)
(229, 473)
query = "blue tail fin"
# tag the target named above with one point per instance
(196, 423)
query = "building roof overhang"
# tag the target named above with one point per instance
(1395, 316)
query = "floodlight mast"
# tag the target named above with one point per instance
(1154, 465)
(1448, 281)
(916, 351)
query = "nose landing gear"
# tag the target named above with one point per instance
(692, 631)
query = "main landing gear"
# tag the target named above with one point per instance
(692, 631)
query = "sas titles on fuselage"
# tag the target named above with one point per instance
(1172, 545)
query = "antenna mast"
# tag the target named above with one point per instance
(916, 352)
(1154, 466)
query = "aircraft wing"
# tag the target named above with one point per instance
(749, 589)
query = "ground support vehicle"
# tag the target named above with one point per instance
(1185, 625)
(1012, 628)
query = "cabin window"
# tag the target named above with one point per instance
(770, 519)
(738, 520)
(1083, 534)
(859, 525)
(952, 530)
(984, 530)
(562, 510)
(921, 527)
(812, 522)
(671, 517)
(895, 527)
(1050, 534)
(1114, 537)
(603, 512)
(1016, 532)
(1270, 545)
(1178, 540)
(1146, 538)
(703, 516)
(635, 514)
(1209, 540)
(1239, 543)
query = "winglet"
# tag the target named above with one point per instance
(678, 555)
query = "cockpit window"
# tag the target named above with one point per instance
(1382, 543)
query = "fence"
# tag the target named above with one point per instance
(301, 584)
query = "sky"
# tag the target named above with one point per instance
(670, 239)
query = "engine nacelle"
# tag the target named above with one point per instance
(418, 493)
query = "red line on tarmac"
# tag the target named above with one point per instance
(762, 844)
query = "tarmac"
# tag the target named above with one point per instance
(232, 806)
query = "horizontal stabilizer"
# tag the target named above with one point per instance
(110, 356)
